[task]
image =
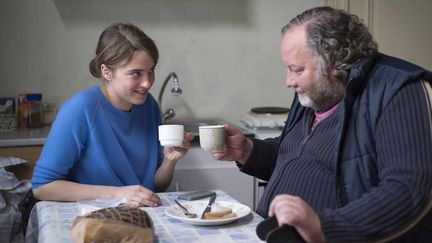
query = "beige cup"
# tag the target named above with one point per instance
(171, 135)
(212, 138)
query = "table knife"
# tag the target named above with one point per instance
(208, 208)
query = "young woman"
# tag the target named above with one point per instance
(104, 141)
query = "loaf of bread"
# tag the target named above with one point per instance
(114, 224)
(220, 213)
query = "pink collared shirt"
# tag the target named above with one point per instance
(320, 116)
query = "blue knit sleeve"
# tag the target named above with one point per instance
(66, 139)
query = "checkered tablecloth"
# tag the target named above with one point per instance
(51, 222)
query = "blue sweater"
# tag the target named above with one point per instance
(92, 142)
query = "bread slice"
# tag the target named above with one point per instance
(220, 213)
(230, 215)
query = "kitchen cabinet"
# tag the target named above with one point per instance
(26, 144)
(29, 153)
(199, 171)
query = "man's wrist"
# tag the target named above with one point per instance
(247, 150)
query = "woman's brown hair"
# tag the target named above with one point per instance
(118, 43)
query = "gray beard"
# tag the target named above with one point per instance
(325, 96)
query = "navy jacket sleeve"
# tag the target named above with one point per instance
(404, 155)
(262, 158)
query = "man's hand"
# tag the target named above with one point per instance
(237, 146)
(292, 210)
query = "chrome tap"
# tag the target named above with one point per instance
(176, 90)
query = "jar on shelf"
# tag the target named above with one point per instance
(48, 110)
(35, 116)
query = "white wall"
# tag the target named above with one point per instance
(402, 28)
(225, 52)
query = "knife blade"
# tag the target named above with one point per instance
(208, 208)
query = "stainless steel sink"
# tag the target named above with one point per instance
(192, 126)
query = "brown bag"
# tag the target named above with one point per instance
(114, 224)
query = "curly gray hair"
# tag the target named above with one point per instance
(336, 38)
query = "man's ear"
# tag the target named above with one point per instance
(106, 72)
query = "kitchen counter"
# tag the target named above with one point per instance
(37, 136)
(192, 126)
(260, 133)
(24, 137)
(198, 164)
(26, 144)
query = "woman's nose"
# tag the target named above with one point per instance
(147, 81)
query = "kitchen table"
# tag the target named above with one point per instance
(51, 221)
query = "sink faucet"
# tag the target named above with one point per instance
(176, 90)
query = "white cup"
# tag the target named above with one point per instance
(212, 138)
(171, 135)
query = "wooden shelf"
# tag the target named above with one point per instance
(29, 153)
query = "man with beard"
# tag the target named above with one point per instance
(354, 161)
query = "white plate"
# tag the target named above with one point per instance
(198, 207)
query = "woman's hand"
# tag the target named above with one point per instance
(165, 172)
(292, 210)
(138, 196)
(176, 153)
